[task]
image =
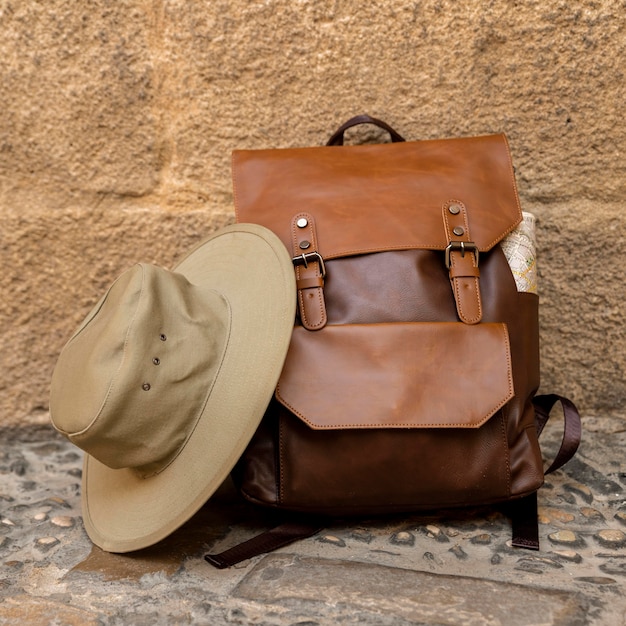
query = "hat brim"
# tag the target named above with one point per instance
(252, 269)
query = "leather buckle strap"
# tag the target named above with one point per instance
(310, 272)
(303, 259)
(462, 267)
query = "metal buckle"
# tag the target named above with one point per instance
(461, 246)
(304, 258)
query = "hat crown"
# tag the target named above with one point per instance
(131, 383)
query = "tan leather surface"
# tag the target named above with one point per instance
(464, 264)
(380, 197)
(309, 278)
(409, 375)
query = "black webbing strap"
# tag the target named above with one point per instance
(524, 525)
(523, 512)
(270, 540)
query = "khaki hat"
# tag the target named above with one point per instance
(168, 377)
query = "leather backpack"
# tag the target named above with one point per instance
(410, 380)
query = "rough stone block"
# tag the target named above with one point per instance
(122, 118)
(78, 99)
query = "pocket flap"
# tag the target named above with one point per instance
(402, 375)
(375, 197)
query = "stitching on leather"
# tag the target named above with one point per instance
(510, 393)
(303, 315)
(319, 290)
(511, 390)
(280, 492)
(507, 451)
(320, 296)
(515, 191)
(472, 426)
(294, 241)
(462, 313)
(446, 222)
(459, 296)
(509, 359)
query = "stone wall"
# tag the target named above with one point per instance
(118, 120)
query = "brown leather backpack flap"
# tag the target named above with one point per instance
(370, 198)
(403, 375)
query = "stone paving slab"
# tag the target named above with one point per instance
(394, 596)
(452, 569)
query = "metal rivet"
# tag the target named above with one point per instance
(302, 222)
(162, 337)
(156, 360)
(146, 386)
(305, 244)
(455, 209)
(458, 231)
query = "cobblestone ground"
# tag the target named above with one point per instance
(398, 571)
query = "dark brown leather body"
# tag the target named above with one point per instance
(394, 404)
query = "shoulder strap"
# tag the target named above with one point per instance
(572, 429)
(268, 541)
(523, 512)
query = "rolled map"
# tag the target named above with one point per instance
(519, 249)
